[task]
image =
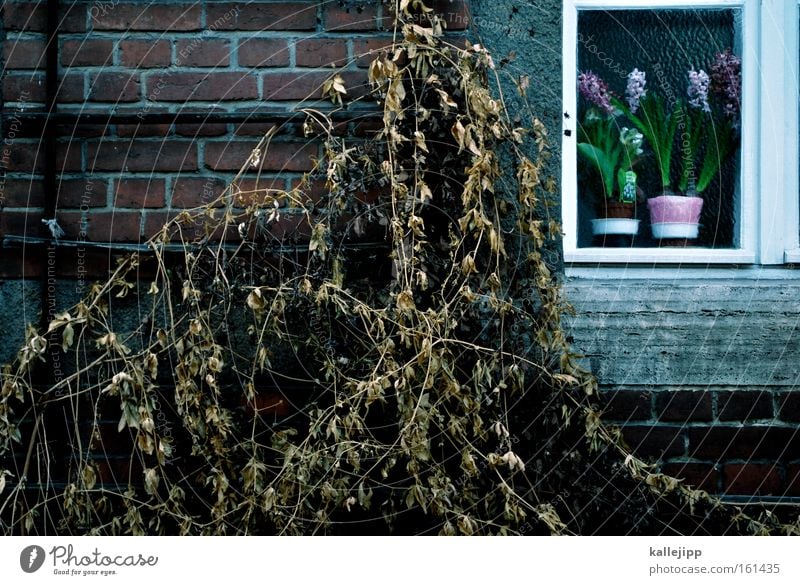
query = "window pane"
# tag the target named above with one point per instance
(699, 112)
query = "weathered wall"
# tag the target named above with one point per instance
(119, 182)
(19, 305)
(528, 34)
(143, 58)
(702, 373)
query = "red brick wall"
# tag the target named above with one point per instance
(737, 441)
(118, 182)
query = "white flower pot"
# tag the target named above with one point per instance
(615, 225)
(673, 230)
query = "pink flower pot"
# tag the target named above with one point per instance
(675, 216)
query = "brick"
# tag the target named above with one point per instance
(115, 87)
(20, 223)
(268, 404)
(19, 263)
(314, 190)
(356, 84)
(145, 54)
(189, 227)
(22, 193)
(340, 19)
(81, 130)
(92, 264)
(293, 86)
(72, 17)
(366, 50)
(703, 476)
(23, 54)
(15, 128)
(154, 221)
(340, 128)
(789, 406)
(87, 52)
(262, 16)
(744, 405)
(366, 127)
(115, 472)
(194, 130)
(752, 442)
(455, 13)
(321, 53)
(202, 53)
(253, 129)
(130, 17)
(263, 53)
(683, 406)
(752, 479)
(143, 129)
(71, 88)
(190, 192)
(290, 226)
(24, 88)
(139, 111)
(655, 441)
(142, 155)
(281, 156)
(287, 227)
(102, 226)
(625, 405)
(261, 190)
(24, 155)
(139, 193)
(68, 155)
(180, 87)
(793, 479)
(88, 192)
(24, 16)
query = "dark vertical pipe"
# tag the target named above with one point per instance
(2, 123)
(50, 164)
(52, 439)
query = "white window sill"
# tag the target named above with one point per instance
(792, 256)
(659, 255)
(746, 273)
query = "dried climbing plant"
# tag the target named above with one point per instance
(412, 320)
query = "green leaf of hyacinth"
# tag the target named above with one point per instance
(604, 165)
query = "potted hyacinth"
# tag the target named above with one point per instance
(707, 124)
(611, 152)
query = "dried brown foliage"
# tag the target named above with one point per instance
(424, 325)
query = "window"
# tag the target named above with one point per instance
(748, 185)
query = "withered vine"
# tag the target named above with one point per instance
(412, 319)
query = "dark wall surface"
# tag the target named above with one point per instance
(702, 372)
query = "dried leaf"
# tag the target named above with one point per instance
(419, 139)
(151, 481)
(405, 301)
(89, 477)
(67, 337)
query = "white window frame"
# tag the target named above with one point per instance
(768, 205)
(780, 63)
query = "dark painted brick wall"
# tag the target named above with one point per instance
(155, 56)
(731, 431)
